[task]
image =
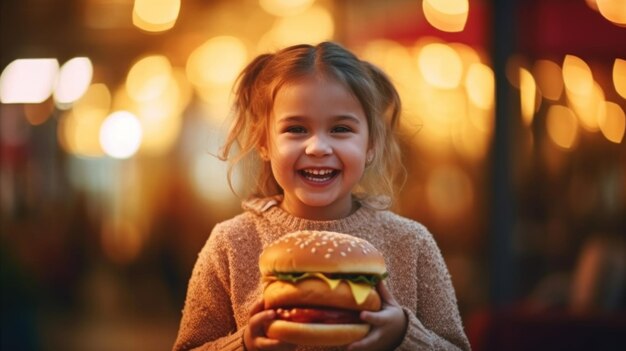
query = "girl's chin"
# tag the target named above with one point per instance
(316, 206)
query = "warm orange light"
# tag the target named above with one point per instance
(449, 192)
(586, 106)
(619, 76)
(480, 85)
(470, 140)
(297, 29)
(441, 113)
(78, 135)
(217, 62)
(79, 129)
(440, 65)
(394, 59)
(161, 121)
(613, 10)
(155, 15)
(562, 126)
(549, 79)
(148, 78)
(446, 15)
(612, 121)
(528, 95)
(577, 75)
(283, 8)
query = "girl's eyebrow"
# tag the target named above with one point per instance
(300, 119)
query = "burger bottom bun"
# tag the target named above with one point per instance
(315, 292)
(314, 334)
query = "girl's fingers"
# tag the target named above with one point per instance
(258, 306)
(385, 295)
(266, 344)
(259, 321)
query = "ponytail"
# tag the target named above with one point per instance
(249, 128)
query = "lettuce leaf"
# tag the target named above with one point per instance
(370, 279)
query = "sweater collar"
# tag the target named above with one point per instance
(268, 208)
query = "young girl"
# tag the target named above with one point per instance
(316, 127)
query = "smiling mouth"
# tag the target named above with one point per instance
(319, 175)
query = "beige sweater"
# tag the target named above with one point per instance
(226, 281)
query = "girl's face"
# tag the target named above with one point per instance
(318, 146)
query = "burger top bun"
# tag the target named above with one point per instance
(321, 251)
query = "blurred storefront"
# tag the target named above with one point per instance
(111, 112)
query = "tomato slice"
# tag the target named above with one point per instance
(318, 315)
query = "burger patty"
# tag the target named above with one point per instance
(318, 315)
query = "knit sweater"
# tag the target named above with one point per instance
(226, 281)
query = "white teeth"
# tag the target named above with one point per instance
(318, 175)
(321, 172)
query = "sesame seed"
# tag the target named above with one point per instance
(327, 255)
(313, 250)
(343, 254)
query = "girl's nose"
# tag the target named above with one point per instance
(318, 146)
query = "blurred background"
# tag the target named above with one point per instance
(513, 132)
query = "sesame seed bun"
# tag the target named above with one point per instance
(321, 251)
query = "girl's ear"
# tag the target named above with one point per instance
(369, 156)
(263, 153)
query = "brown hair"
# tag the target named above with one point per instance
(258, 85)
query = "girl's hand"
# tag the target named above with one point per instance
(388, 325)
(254, 337)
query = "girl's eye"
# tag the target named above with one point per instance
(341, 129)
(295, 129)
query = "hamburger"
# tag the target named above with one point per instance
(318, 282)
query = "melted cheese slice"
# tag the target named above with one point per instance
(332, 283)
(360, 291)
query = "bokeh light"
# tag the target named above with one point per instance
(440, 65)
(155, 15)
(283, 8)
(613, 10)
(216, 62)
(528, 96)
(120, 135)
(549, 79)
(577, 75)
(446, 15)
(297, 29)
(148, 78)
(562, 126)
(619, 77)
(480, 85)
(73, 80)
(79, 129)
(586, 106)
(28, 80)
(612, 121)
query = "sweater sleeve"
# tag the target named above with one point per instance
(436, 325)
(207, 321)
